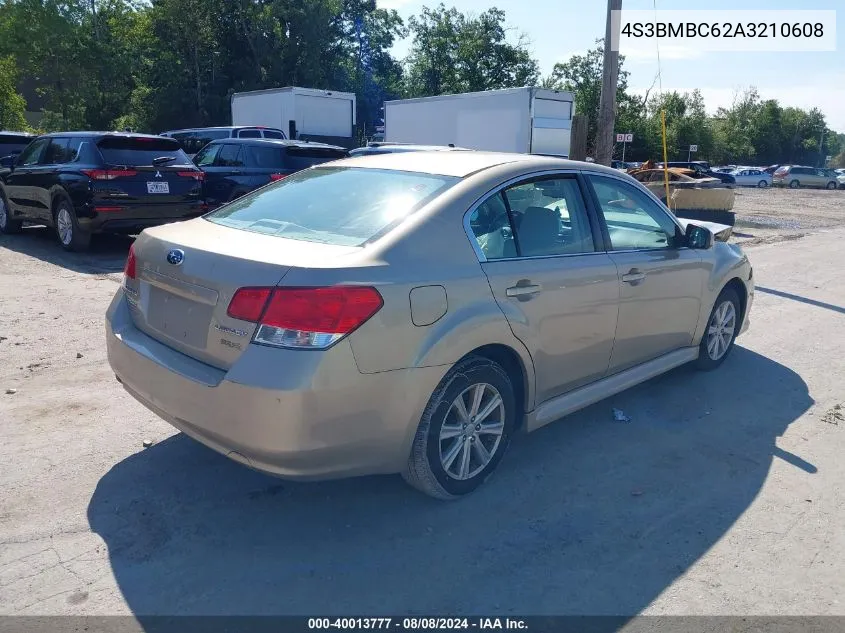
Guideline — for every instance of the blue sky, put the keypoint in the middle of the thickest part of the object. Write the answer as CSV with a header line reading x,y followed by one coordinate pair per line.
x,y
560,28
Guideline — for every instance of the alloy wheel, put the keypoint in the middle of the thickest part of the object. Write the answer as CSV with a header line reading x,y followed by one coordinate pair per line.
x,y
472,431
64,225
720,330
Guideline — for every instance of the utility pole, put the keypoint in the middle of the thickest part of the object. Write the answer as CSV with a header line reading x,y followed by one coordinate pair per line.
x,y
610,75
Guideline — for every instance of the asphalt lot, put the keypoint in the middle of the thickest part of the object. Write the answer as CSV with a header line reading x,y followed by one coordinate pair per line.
x,y
723,495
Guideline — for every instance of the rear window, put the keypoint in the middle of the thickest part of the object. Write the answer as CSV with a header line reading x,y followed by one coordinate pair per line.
x,y
141,152
333,205
193,142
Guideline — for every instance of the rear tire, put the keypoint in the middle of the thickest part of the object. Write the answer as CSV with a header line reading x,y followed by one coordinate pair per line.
x,y
8,226
794,184
455,450
721,331
71,236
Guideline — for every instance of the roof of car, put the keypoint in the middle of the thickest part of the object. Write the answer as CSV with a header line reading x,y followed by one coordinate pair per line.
x,y
14,133
462,164
273,141
221,127
94,134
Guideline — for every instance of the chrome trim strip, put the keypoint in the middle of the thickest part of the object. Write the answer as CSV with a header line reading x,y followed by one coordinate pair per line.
x,y
178,287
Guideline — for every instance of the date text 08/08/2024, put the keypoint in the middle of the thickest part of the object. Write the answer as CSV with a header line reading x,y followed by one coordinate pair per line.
x,y
417,624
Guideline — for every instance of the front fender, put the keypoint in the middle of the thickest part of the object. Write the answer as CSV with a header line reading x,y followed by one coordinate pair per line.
x,y
727,262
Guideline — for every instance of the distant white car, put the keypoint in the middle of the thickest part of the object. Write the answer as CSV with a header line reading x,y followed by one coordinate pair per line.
x,y
840,177
752,178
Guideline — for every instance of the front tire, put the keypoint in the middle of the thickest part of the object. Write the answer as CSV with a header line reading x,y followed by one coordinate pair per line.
x,y
762,184
464,431
721,332
71,236
831,185
8,226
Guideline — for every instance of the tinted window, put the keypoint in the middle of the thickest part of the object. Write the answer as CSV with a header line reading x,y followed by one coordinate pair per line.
x,y
273,134
267,157
193,142
141,151
32,153
57,152
249,134
801,170
633,219
206,156
334,205
229,156
12,144
304,157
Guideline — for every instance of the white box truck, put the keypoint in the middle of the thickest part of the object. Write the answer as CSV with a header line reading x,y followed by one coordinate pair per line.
x,y
524,120
303,113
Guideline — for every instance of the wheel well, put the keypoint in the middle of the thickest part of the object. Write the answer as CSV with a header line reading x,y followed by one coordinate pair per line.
x,y
739,288
512,364
59,197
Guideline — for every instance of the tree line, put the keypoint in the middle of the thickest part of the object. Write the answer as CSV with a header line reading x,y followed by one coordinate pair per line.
x,y
152,66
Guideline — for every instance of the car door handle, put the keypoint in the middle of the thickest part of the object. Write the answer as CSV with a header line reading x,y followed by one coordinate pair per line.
x,y
524,290
633,276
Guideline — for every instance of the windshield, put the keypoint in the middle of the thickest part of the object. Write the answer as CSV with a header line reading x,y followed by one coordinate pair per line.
x,y
333,205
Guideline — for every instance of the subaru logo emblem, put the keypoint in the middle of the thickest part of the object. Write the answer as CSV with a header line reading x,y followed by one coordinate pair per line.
x,y
175,257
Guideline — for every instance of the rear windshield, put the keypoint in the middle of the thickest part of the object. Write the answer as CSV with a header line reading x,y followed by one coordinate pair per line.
x,y
333,205
141,152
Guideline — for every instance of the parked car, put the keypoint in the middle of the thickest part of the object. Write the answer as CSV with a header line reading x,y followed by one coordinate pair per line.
x,y
701,171
374,148
194,139
81,183
771,169
752,178
13,143
234,167
795,176
840,178
411,312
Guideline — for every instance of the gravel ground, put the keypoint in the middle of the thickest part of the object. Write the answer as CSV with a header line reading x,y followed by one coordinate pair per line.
x,y
723,495
771,215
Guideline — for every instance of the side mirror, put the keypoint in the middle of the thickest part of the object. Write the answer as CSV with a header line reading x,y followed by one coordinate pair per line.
x,y
698,237
8,161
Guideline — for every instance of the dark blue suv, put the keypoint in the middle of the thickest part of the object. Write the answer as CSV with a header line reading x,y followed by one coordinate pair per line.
x,y
236,166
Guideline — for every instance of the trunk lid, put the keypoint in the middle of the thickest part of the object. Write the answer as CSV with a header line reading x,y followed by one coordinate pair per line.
x,y
187,273
146,170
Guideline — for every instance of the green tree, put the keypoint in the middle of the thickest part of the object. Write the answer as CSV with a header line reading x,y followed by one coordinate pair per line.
x,y
12,104
453,52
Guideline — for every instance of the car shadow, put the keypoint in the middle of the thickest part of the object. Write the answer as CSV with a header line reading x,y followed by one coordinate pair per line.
x,y
106,255
585,516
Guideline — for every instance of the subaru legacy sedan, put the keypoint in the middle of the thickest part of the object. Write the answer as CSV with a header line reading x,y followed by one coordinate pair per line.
x,y
409,313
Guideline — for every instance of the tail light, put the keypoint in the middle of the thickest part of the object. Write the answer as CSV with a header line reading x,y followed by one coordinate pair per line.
x,y
196,175
129,267
109,174
275,177
305,318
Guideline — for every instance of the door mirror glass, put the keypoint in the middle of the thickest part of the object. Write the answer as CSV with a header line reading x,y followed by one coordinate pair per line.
x,y
698,237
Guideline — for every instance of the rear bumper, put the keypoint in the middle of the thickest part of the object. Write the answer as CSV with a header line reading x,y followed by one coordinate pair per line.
x,y
135,218
317,417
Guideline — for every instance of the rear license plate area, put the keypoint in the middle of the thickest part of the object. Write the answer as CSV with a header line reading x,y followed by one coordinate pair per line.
x,y
178,318
158,187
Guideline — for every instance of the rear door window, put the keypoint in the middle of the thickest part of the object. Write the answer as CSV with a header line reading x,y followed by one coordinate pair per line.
x,y
57,152
141,151
304,157
273,134
207,155
266,157
249,134
230,155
